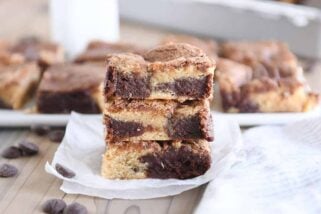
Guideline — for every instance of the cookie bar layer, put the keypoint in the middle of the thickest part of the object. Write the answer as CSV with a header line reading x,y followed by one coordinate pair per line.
x,y
173,71
17,82
96,51
156,159
157,120
242,91
66,88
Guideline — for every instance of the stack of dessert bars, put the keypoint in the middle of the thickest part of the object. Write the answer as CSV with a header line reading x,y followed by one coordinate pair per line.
x,y
157,113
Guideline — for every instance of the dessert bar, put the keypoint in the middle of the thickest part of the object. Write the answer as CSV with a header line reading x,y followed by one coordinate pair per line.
x,y
97,51
44,53
173,71
156,159
244,90
157,120
17,82
66,88
264,57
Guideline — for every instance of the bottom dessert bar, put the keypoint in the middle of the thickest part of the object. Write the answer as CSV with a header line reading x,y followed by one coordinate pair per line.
x,y
156,159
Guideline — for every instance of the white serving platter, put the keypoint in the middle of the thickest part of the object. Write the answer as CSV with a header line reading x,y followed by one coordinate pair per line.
x,y
255,119
10,118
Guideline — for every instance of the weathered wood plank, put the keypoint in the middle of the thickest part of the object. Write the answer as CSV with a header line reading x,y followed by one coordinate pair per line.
x,y
185,202
157,205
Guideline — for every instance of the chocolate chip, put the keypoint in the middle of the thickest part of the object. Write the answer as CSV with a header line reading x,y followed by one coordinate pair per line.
x,y
40,130
7,170
68,173
11,152
56,135
28,149
76,208
54,206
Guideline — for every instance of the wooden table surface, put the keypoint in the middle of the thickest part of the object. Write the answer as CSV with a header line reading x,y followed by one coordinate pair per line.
x,y
26,192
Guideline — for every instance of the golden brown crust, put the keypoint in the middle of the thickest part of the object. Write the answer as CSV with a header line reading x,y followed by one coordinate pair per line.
x,y
127,63
210,47
163,58
169,52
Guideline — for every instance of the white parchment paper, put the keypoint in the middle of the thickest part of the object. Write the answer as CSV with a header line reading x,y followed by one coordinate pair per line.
x,y
280,173
83,145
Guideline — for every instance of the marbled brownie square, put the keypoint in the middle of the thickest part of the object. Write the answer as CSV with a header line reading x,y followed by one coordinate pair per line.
x,y
171,72
17,83
246,90
156,159
66,88
129,120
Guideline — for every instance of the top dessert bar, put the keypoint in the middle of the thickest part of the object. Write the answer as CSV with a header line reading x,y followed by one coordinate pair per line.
x,y
173,71
210,47
44,53
66,88
97,51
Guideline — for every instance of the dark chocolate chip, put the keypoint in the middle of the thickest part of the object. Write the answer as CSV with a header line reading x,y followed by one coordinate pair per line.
x,y
8,170
40,130
54,206
68,173
56,135
76,208
11,152
28,149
